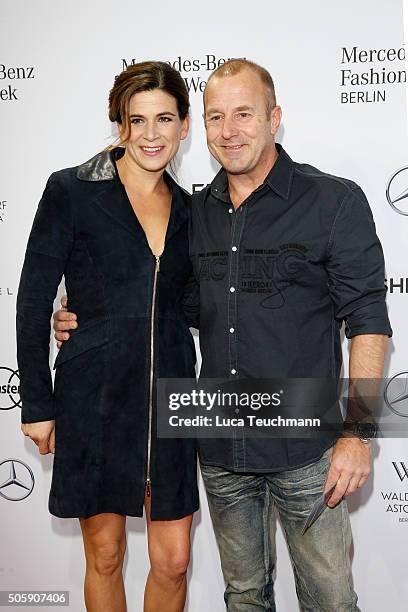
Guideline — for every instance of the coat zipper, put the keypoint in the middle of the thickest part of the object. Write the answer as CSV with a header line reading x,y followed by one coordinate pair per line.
x,y
152,326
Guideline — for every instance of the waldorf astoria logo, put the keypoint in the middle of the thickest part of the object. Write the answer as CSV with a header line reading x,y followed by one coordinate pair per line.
x,y
401,469
396,502
397,191
368,75
11,78
194,70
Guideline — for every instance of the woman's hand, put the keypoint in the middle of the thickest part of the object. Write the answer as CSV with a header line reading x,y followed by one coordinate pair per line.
x,y
63,322
42,433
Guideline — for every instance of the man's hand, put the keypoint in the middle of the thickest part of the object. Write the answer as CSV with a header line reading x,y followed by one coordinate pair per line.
x,y
350,466
63,322
350,462
43,434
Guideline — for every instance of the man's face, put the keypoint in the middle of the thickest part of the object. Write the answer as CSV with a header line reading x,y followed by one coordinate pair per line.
x,y
240,135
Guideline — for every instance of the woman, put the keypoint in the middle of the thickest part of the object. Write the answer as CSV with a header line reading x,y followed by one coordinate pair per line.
x,y
116,228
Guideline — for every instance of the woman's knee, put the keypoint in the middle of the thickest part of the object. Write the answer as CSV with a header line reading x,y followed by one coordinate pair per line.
x,y
105,544
107,557
171,566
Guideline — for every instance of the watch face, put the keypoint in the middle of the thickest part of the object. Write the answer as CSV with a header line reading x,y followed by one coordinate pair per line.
x,y
367,430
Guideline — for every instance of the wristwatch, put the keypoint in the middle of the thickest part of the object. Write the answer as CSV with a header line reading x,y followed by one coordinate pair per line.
x,y
365,431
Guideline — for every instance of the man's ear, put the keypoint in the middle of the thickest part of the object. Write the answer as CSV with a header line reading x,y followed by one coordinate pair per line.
x,y
276,117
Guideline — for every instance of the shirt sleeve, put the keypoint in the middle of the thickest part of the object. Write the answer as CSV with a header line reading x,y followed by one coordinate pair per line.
x,y
355,268
48,249
191,302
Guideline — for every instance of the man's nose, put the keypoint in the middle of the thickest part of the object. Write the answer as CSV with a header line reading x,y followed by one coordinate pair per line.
x,y
229,128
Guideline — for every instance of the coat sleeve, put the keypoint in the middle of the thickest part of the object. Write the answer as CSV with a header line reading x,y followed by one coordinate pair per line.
x,y
48,249
355,268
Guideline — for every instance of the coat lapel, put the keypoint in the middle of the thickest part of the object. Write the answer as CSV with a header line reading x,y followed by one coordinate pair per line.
x,y
113,199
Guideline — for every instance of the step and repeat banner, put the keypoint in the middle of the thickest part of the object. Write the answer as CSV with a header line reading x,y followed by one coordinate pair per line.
x,y
340,75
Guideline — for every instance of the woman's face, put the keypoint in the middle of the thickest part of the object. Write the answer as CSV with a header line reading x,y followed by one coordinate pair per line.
x,y
156,129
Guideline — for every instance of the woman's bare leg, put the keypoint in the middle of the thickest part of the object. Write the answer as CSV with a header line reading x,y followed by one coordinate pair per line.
x,y
169,552
104,539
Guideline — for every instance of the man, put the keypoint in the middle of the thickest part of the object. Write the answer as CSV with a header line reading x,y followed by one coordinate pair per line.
x,y
283,254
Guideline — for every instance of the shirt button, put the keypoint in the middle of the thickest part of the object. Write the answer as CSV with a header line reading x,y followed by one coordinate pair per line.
x,y
234,248
232,330
233,371
230,210
232,289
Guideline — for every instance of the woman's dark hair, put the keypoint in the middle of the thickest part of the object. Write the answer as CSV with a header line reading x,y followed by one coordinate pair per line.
x,y
145,76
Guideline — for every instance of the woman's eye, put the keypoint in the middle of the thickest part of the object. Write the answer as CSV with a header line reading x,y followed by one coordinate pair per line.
x,y
165,119
136,120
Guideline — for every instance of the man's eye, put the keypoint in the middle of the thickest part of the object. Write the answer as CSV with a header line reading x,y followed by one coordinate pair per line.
x,y
243,115
214,118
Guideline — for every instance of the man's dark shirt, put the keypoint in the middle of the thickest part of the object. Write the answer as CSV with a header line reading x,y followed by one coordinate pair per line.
x,y
277,277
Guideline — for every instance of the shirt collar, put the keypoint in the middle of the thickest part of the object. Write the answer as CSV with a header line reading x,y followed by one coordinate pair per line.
x,y
279,178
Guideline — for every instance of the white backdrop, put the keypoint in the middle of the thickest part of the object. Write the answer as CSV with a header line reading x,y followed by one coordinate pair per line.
x,y
57,63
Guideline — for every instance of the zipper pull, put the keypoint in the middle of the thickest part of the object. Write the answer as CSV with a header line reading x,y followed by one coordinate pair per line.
x,y
157,262
148,487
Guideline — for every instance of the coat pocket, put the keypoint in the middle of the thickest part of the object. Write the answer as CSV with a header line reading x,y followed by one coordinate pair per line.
x,y
91,335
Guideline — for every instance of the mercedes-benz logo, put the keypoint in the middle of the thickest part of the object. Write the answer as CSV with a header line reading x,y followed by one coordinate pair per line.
x,y
396,394
397,191
9,388
19,481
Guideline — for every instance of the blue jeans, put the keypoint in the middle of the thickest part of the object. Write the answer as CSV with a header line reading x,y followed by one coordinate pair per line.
x,y
241,507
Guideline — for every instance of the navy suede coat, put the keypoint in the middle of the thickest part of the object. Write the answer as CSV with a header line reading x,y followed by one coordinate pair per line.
x,y
131,327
